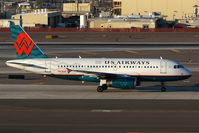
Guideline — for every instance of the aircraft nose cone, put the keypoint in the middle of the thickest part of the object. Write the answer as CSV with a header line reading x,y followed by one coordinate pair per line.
x,y
188,73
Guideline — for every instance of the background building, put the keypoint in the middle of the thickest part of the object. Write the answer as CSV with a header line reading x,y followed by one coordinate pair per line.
x,y
40,17
77,7
171,9
122,23
5,23
117,7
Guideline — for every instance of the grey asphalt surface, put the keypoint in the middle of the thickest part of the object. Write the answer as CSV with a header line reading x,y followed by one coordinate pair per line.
x,y
98,116
42,105
110,36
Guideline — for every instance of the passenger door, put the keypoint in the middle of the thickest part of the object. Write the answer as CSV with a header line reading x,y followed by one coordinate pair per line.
x,y
163,67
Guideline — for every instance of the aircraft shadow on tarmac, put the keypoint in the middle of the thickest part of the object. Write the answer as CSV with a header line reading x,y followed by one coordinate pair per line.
x,y
149,88
193,88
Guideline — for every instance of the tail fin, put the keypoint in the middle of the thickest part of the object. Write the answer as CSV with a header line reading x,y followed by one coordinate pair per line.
x,y
24,45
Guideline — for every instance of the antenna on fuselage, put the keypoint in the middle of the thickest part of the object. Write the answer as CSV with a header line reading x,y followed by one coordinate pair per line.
x,y
161,57
80,57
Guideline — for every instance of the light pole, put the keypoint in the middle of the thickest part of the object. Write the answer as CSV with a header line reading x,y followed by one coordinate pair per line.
x,y
2,6
174,14
195,7
77,3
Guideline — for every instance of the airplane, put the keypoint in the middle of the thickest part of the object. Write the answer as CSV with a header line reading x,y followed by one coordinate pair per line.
x,y
122,73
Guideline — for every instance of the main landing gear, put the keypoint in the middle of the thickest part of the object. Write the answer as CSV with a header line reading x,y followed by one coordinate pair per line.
x,y
163,88
103,86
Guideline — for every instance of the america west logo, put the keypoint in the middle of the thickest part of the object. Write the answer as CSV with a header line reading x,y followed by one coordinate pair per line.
x,y
24,44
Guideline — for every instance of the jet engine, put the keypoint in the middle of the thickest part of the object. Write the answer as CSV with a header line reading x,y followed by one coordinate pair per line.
x,y
122,83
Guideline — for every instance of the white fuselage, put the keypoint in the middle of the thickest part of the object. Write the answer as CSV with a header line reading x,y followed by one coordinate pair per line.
x,y
92,66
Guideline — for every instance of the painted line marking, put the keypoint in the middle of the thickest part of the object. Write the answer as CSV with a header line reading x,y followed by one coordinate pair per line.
x,y
131,51
106,111
175,50
90,53
161,132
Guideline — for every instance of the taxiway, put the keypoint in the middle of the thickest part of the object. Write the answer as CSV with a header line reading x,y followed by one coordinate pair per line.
x,y
110,36
44,104
107,116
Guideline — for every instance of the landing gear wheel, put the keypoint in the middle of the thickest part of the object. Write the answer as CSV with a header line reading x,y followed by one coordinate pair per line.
x,y
163,89
100,89
105,87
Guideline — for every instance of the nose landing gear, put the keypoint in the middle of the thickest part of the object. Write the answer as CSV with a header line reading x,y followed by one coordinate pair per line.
x,y
163,88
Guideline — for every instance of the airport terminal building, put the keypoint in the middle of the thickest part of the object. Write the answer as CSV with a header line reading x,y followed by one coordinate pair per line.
x,y
170,9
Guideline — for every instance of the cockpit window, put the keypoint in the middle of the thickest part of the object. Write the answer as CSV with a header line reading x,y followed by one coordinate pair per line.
x,y
178,66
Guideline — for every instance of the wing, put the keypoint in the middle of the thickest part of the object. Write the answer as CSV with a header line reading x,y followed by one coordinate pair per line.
x,y
104,75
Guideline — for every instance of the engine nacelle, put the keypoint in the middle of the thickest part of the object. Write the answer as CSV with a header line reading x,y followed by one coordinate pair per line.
x,y
123,83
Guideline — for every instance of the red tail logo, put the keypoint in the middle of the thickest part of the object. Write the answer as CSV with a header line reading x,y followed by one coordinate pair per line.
x,y
24,44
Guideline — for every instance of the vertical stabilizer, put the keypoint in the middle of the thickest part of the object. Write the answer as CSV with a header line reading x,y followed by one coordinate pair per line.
x,y
24,45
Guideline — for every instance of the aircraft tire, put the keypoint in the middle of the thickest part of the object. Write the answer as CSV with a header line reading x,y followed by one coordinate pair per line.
x,y
105,87
100,89
163,89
